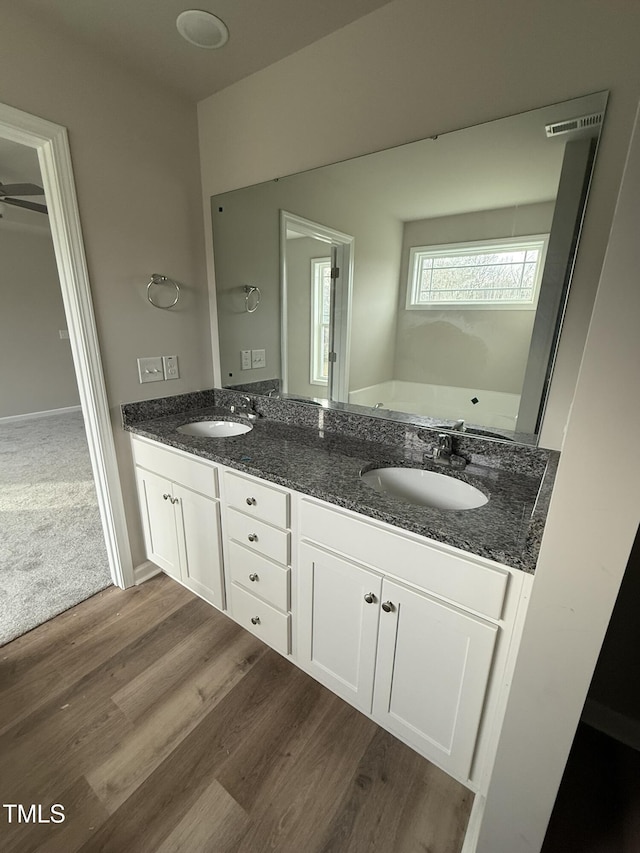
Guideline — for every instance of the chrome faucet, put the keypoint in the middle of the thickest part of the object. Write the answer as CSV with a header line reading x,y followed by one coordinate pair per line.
x,y
244,408
443,453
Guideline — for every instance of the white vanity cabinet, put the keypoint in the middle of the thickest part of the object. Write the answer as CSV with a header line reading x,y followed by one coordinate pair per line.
x,y
382,624
180,511
257,551
420,636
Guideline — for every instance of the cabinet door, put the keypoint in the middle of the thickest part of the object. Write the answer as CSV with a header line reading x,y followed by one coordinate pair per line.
x,y
432,671
158,521
339,604
199,544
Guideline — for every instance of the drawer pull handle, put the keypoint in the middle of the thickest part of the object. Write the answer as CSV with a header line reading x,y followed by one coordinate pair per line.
x,y
166,497
255,620
251,501
388,606
370,598
252,537
253,577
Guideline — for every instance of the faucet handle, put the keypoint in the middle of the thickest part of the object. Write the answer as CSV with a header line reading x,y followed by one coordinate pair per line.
x,y
445,442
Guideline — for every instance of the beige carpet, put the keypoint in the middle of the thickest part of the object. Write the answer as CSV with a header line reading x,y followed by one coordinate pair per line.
x,y
52,551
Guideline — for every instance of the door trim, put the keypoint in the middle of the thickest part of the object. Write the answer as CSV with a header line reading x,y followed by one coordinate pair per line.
x,y
341,309
52,145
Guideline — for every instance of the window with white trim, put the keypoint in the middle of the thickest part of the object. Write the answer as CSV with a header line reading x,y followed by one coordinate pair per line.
x,y
320,316
488,274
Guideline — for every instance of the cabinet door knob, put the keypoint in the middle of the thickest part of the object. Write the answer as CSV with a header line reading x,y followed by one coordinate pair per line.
x,y
252,537
388,606
166,497
174,500
251,501
370,598
255,620
253,577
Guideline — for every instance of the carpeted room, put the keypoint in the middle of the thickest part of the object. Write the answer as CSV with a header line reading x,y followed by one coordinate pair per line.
x,y
52,551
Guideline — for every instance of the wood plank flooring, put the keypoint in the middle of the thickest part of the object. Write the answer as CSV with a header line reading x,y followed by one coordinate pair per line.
x,y
161,726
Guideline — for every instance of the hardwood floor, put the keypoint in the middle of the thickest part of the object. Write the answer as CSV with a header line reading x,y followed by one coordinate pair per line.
x,y
160,725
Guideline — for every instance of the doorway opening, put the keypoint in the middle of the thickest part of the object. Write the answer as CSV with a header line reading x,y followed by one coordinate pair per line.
x,y
49,143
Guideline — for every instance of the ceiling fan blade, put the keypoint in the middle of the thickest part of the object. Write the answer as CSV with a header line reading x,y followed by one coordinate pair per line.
x,y
28,205
20,189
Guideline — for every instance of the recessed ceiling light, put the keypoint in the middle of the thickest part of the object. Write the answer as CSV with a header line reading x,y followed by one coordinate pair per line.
x,y
202,29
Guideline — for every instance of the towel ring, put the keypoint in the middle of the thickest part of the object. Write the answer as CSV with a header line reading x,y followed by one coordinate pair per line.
x,y
250,291
162,280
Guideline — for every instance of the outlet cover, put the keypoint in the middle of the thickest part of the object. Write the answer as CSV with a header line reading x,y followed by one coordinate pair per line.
x,y
150,369
258,358
245,359
170,367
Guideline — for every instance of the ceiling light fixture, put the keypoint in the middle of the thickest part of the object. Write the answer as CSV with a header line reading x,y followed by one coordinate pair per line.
x,y
202,29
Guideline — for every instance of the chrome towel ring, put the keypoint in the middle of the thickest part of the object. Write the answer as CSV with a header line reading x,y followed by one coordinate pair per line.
x,y
249,292
160,281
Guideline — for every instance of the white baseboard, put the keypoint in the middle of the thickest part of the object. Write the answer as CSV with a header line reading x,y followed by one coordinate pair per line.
x,y
144,572
473,827
46,414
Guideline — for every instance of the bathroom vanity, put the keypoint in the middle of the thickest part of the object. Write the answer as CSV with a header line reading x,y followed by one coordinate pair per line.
x,y
411,614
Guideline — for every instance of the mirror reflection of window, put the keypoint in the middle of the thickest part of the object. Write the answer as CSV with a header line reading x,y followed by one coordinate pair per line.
x,y
320,318
485,274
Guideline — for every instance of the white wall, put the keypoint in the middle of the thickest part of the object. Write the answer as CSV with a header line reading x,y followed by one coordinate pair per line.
x,y
589,534
135,159
38,370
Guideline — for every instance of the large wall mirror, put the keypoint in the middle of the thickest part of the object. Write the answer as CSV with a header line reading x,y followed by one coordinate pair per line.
x,y
424,281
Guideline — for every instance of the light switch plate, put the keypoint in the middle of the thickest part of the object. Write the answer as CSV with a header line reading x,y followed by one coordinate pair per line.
x,y
170,367
150,369
245,359
258,358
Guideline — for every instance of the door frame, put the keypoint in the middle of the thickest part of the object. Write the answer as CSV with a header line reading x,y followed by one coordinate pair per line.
x,y
52,146
338,387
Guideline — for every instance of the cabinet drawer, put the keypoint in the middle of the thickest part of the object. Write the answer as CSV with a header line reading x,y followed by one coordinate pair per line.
x,y
463,580
199,476
257,499
258,575
267,623
258,536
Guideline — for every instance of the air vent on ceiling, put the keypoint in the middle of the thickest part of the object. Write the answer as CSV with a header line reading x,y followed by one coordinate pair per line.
x,y
574,124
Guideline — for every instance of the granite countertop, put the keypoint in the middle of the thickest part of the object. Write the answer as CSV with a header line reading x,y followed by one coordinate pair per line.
x,y
326,465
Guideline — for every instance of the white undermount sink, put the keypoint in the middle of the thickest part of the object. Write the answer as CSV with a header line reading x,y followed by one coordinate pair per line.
x,y
424,488
214,429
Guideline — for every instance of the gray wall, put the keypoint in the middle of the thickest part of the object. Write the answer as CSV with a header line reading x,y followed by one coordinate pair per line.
x,y
135,160
246,237
472,349
38,371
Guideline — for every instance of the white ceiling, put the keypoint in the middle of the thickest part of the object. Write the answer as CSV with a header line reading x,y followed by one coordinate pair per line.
x,y
142,34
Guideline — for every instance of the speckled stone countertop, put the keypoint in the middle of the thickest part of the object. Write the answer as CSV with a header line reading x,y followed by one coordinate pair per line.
x,y
326,464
